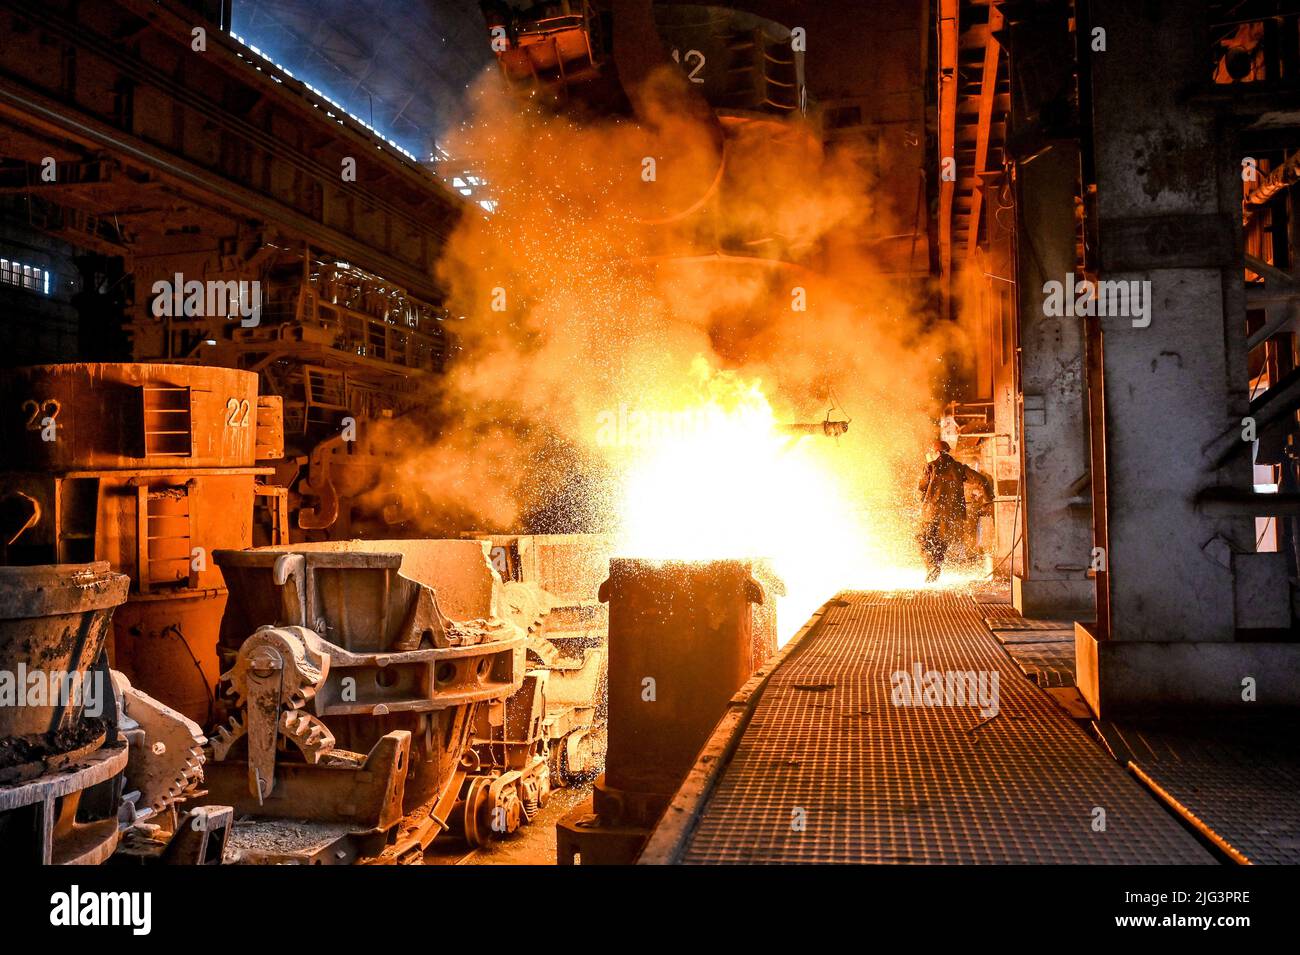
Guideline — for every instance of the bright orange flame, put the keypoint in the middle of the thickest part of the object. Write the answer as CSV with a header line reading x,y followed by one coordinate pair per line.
x,y
724,480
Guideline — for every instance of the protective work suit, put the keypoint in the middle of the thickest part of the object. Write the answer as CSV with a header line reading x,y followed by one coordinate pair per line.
x,y
943,508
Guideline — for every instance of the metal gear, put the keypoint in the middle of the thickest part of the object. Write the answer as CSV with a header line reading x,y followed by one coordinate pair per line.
x,y
294,651
525,605
281,669
167,748
307,732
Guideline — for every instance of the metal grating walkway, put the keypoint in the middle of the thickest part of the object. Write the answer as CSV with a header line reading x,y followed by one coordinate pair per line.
x,y
872,782
1235,777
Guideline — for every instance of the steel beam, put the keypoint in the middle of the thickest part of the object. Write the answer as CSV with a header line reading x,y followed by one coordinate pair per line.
x,y
988,93
948,28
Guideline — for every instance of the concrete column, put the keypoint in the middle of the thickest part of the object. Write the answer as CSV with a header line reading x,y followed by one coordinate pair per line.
x,y
1057,514
1182,581
1056,518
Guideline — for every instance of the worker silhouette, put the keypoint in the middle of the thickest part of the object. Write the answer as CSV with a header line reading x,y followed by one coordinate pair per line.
x,y
943,507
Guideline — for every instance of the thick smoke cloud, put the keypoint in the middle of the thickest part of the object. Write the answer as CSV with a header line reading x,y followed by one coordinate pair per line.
x,y
595,288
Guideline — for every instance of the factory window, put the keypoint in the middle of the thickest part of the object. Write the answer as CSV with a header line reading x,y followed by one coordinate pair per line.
x,y
30,277
1266,480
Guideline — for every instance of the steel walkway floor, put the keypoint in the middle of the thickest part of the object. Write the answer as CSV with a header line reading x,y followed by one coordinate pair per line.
x,y
1237,778
814,762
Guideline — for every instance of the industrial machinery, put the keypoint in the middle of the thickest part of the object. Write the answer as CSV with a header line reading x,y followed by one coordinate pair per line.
x,y
568,47
359,677
681,642
164,774
349,317
89,765
149,467
550,591
333,342
739,76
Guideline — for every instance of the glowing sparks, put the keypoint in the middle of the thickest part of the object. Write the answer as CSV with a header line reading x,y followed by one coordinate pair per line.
x,y
573,395
736,484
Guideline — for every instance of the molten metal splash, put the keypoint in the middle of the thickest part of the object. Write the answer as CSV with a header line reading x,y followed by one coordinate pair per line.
x,y
728,482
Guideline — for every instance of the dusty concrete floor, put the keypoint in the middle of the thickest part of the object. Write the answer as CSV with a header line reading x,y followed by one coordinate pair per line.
x,y
533,844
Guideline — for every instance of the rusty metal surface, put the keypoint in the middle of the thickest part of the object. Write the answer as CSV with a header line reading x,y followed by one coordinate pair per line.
x,y
53,621
334,648
1047,664
671,830
53,837
149,467
166,643
201,837
166,748
550,589
1235,779
458,570
121,415
95,768
365,794
878,783
680,644
97,757
374,618
686,627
